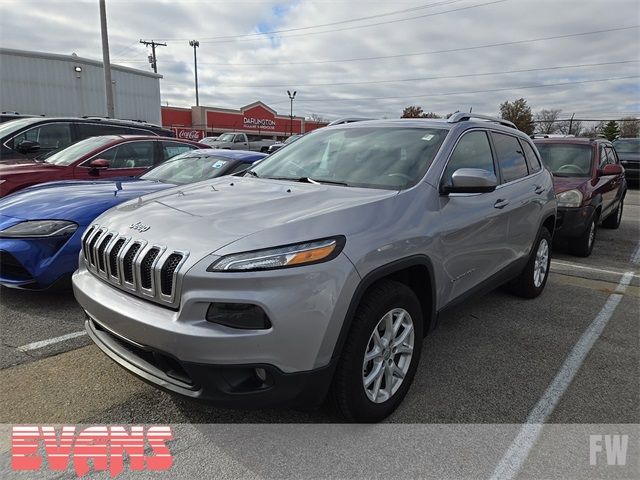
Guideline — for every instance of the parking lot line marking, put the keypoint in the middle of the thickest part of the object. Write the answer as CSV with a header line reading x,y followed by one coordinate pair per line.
x,y
635,258
518,451
593,269
50,341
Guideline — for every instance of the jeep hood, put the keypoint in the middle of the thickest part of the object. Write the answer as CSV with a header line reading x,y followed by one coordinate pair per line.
x,y
204,217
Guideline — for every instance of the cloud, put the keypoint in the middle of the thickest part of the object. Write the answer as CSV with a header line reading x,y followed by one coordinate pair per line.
x,y
226,80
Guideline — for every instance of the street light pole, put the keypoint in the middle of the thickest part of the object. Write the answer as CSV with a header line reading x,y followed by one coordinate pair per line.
x,y
291,97
108,85
195,44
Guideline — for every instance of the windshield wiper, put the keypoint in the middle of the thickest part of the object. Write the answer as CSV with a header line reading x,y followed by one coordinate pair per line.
x,y
252,173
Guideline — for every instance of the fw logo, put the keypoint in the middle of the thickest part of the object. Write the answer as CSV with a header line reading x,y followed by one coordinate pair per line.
x,y
615,448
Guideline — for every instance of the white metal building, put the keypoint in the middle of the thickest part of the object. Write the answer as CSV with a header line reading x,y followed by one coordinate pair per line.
x,y
67,85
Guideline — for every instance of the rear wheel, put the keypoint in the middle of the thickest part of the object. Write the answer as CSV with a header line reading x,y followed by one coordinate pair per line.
x,y
381,354
582,246
615,218
533,278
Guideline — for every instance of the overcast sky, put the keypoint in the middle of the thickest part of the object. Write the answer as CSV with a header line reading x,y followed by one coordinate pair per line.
x,y
405,52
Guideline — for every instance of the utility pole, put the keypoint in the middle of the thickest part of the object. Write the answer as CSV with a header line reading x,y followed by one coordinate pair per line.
x,y
153,60
108,86
571,123
195,44
291,97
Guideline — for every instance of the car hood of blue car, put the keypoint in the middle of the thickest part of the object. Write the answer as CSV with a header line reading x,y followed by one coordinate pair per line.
x,y
77,201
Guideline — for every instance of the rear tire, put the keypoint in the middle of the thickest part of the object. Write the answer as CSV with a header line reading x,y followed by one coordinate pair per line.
x,y
377,366
615,218
582,246
530,283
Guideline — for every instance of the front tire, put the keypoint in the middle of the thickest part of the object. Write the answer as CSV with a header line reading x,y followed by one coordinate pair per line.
x,y
534,277
381,353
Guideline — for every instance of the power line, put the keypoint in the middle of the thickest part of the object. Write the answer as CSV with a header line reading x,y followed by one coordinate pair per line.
x,y
153,60
341,22
444,94
369,82
432,52
357,27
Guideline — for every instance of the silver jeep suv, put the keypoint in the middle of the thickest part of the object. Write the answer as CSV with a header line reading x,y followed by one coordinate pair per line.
x,y
321,269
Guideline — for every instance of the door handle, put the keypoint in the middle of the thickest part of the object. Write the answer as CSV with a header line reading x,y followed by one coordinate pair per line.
x,y
539,189
501,203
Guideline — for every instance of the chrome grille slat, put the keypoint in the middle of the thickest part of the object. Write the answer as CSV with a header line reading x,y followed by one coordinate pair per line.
x,y
147,270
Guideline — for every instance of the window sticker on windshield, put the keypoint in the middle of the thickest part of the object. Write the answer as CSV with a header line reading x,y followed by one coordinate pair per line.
x,y
219,164
428,137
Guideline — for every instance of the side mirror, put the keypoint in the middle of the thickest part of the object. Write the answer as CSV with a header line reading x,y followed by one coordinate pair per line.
x,y
471,180
28,146
99,164
611,169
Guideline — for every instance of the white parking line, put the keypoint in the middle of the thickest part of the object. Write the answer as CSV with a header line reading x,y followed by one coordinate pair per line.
x,y
517,453
635,258
592,269
50,341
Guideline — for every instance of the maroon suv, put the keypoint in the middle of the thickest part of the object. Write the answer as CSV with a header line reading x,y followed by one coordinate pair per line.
x,y
94,158
590,186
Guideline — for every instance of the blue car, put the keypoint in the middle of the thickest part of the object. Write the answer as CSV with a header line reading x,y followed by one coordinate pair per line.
x,y
41,226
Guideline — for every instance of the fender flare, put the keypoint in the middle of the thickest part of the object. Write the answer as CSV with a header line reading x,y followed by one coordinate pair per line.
x,y
378,274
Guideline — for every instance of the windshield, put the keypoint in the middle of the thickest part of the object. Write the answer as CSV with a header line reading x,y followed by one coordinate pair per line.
x,y
292,138
73,152
11,126
225,137
188,168
370,157
566,160
208,140
631,145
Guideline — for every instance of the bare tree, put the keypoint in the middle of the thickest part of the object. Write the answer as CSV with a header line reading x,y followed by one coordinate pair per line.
x,y
568,127
519,113
412,112
314,117
630,127
546,121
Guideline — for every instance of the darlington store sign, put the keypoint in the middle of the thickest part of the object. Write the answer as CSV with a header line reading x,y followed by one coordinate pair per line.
x,y
265,123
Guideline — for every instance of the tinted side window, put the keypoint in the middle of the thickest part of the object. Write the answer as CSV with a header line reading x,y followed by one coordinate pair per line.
x,y
611,153
50,136
510,157
171,149
130,155
472,151
240,167
604,158
532,158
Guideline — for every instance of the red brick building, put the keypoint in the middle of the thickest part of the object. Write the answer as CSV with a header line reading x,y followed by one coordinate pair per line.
x,y
255,119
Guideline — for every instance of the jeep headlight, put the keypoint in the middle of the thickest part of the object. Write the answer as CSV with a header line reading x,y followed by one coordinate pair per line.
x,y
39,228
280,257
570,198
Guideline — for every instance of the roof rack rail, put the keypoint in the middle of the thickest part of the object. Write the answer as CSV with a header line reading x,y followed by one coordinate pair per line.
x,y
463,117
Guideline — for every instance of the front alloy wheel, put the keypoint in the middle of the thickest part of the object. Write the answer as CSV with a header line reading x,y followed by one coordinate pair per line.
x,y
381,353
388,356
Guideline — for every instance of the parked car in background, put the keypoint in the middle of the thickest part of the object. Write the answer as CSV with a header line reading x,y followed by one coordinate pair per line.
x,y
628,150
26,138
209,140
324,266
41,226
279,145
590,185
240,141
7,116
94,158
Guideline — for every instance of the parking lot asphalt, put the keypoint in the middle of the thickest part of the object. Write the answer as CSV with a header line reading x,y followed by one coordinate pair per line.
x,y
489,361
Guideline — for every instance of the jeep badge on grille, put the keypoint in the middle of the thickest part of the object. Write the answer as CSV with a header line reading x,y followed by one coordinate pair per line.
x,y
140,227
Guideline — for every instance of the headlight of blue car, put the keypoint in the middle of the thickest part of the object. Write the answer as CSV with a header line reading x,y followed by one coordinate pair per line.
x,y
40,229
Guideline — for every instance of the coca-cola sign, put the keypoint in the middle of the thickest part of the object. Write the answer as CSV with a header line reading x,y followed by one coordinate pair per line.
x,y
188,134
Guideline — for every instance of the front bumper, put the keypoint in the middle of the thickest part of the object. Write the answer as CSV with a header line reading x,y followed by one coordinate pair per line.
x,y
306,307
38,263
572,222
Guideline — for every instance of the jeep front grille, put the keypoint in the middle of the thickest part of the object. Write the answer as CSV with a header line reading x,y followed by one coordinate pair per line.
x,y
147,270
